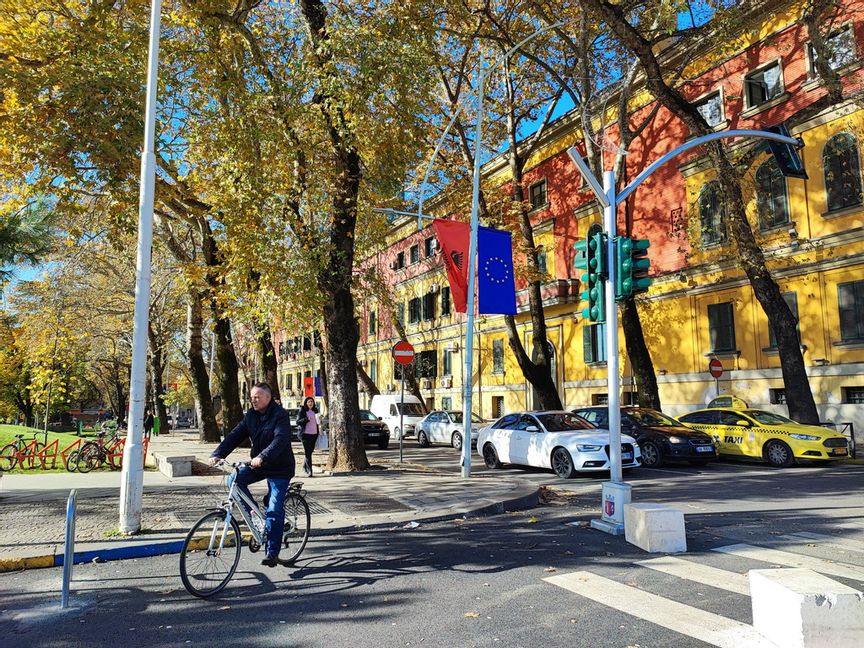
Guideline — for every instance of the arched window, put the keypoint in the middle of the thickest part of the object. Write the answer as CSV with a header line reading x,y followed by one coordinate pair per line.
x,y
842,168
771,199
712,214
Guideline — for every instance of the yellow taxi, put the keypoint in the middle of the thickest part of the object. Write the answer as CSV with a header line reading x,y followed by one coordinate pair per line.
x,y
757,434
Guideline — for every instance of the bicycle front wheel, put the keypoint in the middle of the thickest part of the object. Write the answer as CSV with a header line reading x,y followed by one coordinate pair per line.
x,y
210,555
89,457
297,524
8,457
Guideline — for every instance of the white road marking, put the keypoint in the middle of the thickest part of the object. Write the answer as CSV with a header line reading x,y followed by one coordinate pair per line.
x,y
823,540
788,559
705,626
711,576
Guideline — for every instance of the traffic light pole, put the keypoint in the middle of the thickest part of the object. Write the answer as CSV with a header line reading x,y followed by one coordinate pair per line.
x,y
612,361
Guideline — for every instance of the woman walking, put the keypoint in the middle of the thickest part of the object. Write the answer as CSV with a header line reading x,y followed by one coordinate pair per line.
x,y
309,424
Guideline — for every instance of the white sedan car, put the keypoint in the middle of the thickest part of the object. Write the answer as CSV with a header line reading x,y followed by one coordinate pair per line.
x,y
562,441
445,426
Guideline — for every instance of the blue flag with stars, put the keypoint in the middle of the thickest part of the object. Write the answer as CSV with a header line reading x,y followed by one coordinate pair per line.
x,y
496,287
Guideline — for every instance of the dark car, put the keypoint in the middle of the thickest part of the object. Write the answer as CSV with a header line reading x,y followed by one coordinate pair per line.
x,y
374,429
660,437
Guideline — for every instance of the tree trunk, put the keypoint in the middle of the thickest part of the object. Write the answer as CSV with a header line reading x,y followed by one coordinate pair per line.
x,y
157,373
640,359
322,373
799,395
269,367
370,387
198,370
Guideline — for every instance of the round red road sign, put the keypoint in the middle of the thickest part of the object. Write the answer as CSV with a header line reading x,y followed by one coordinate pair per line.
x,y
715,368
403,353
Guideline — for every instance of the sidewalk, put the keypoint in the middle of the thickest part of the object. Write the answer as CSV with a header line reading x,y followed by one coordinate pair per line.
x,y
33,507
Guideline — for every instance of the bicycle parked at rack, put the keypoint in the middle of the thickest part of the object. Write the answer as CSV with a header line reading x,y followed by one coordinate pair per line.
x,y
211,550
93,454
25,454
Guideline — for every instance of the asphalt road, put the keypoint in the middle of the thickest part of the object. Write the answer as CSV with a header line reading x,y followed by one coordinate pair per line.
x,y
533,578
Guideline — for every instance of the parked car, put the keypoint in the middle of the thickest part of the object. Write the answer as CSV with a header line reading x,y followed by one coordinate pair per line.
x,y
445,426
558,440
372,428
394,412
184,422
661,438
292,414
757,434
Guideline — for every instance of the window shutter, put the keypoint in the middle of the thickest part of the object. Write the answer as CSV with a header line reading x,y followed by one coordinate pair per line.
x,y
587,346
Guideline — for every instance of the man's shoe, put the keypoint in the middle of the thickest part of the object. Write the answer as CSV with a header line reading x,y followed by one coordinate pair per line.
x,y
270,561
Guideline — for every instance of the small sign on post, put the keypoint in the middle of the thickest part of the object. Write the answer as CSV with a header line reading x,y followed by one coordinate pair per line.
x,y
403,354
715,368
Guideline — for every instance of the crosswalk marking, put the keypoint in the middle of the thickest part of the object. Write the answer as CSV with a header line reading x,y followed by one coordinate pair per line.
x,y
827,541
787,559
711,576
705,626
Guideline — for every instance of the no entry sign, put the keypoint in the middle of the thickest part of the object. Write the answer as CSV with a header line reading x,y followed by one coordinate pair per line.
x,y
715,368
403,353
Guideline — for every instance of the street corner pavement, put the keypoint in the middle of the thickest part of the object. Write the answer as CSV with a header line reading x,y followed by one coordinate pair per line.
x,y
391,495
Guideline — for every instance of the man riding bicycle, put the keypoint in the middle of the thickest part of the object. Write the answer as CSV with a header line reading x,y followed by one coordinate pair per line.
x,y
268,426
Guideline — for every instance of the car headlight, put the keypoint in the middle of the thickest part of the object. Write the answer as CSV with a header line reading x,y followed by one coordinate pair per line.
x,y
588,448
674,439
805,437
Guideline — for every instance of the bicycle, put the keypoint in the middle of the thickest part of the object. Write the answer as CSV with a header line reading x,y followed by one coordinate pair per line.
x,y
211,550
94,453
19,451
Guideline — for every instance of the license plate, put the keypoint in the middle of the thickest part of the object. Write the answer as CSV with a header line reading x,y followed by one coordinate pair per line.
x,y
627,456
704,449
374,434
839,451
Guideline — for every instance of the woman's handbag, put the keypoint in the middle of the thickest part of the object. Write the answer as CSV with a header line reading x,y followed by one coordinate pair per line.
x,y
322,442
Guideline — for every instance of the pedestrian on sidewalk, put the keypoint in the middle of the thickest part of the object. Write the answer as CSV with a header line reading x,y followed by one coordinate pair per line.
x,y
309,425
268,426
148,423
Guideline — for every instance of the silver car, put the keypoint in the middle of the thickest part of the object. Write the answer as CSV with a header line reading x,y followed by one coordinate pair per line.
x,y
445,426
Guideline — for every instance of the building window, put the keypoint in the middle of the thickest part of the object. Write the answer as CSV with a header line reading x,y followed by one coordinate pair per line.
x,y
853,395
763,85
841,50
373,324
429,306
429,247
777,396
427,364
307,343
537,193
771,199
400,261
851,296
791,300
400,313
497,406
599,399
373,370
721,326
446,402
414,306
711,109
712,214
497,356
445,300
447,363
594,343
414,254
289,382
542,263
842,168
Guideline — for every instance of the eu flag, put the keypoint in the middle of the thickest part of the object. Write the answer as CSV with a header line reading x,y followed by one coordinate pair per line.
x,y
496,286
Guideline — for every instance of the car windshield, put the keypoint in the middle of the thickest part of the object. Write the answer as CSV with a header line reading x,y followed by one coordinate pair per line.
x,y
652,417
366,415
457,417
563,421
410,409
768,418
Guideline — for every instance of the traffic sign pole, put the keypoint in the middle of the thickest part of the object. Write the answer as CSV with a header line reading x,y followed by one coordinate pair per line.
x,y
715,368
403,354
402,415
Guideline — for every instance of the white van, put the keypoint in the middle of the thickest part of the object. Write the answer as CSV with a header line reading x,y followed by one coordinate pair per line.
x,y
387,408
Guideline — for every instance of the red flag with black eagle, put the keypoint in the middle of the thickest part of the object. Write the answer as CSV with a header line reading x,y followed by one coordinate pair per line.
x,y
454,238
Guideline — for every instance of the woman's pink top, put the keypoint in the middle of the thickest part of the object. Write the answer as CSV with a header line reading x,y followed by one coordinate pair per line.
x,y
312,424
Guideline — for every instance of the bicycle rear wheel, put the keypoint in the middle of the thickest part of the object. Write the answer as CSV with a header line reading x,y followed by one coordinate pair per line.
x,y
89,457
297,524
207,562
34,460
72,461
8,457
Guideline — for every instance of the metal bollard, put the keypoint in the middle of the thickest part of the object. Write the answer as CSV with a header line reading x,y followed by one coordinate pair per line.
x,y
69,548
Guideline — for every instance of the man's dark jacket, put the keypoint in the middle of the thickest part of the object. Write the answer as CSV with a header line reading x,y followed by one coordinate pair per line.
x,y
270,434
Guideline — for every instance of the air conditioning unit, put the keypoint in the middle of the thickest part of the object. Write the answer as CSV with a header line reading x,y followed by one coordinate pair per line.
x,y
426,384
435,245
453,347
391,387
435,288
394,265
447,382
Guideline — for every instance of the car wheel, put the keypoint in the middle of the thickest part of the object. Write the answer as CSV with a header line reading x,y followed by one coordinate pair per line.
x,y
456,440
652,457
778,454
422,439
383,445
562,463
490,457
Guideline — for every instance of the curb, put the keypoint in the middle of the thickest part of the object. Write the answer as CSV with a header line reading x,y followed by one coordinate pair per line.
x,y
521,502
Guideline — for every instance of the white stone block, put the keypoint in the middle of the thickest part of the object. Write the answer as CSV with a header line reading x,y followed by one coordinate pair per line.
x,y
174,465
656,528
798,608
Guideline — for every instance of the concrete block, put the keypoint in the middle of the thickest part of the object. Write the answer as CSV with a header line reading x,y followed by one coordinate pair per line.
x,y
656,528
798,608
174,465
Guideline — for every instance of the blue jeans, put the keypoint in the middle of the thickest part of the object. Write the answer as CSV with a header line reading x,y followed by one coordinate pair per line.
x,y
275,501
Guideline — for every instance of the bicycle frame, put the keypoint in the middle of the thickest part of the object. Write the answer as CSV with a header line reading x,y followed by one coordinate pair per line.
x,y
235,498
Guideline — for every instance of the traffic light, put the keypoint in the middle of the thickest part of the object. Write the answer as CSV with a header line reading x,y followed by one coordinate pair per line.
x,y
595,249
580,261
632,265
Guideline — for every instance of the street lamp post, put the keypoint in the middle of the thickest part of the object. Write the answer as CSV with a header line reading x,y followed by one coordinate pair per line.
x,y
132,480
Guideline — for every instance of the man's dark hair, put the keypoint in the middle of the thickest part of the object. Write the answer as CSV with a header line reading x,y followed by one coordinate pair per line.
x,y
264,386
